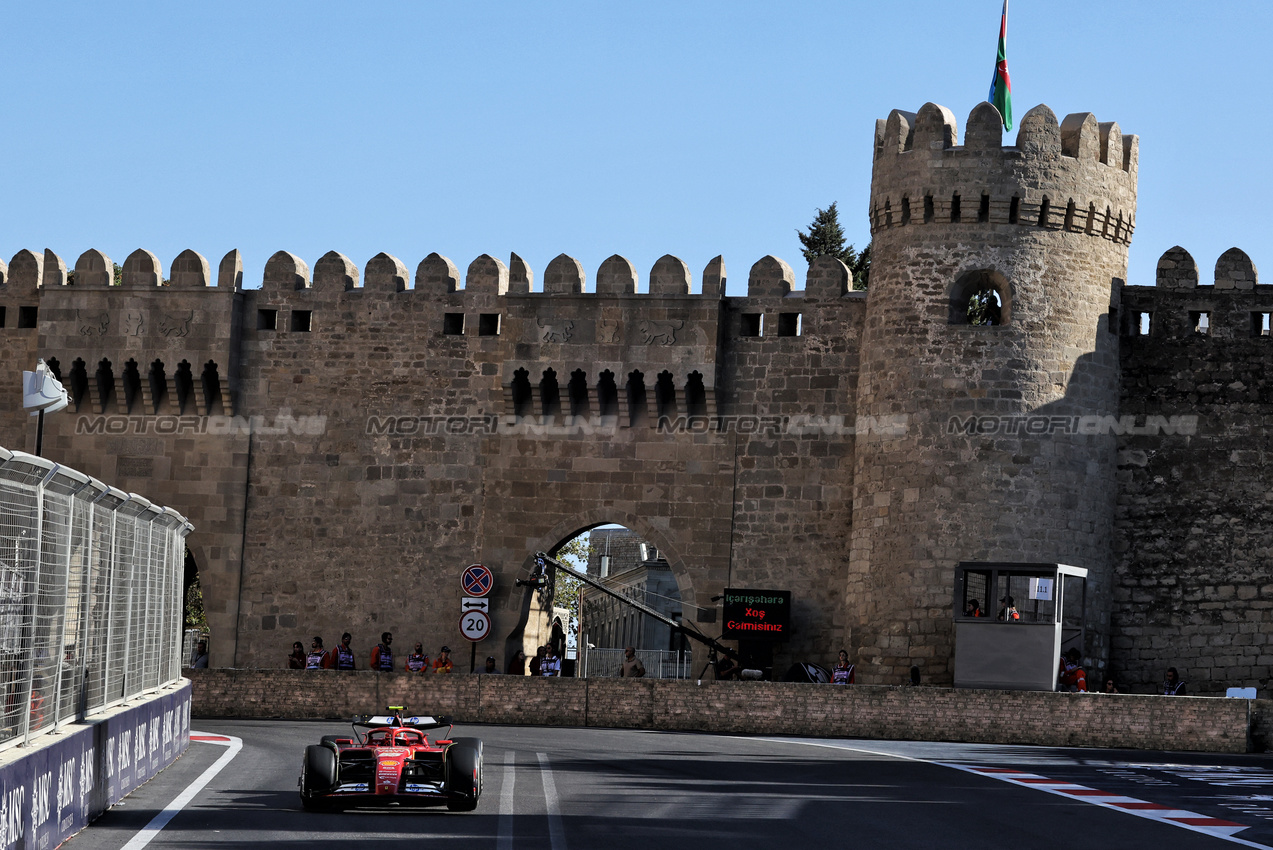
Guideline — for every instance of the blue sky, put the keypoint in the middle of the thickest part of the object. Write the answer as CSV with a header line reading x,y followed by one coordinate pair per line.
x,y
690,128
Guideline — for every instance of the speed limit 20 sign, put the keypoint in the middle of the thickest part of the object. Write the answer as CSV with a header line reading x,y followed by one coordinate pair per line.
x,y
475,625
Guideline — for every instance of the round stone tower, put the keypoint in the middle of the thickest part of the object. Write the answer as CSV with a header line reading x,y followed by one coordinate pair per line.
x,y
979,437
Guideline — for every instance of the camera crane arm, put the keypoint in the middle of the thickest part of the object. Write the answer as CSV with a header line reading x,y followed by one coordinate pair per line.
x,y
545,562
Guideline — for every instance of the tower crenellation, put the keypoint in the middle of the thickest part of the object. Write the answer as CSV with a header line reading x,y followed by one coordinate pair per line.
x,y
1078,175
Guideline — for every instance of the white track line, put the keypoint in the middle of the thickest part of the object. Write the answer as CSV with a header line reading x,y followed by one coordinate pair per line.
x,y
556,834
1192,821
504,836
1071,791
159,821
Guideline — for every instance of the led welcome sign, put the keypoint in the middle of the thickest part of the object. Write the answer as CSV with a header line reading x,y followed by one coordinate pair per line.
x,y
756,614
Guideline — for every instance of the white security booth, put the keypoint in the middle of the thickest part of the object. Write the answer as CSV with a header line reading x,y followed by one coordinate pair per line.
x,y
1013,621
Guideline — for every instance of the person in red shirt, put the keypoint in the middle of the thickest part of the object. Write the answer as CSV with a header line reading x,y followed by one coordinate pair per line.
x,y
443,662
343,655
318,659
382,655
1070,676
843,673
417,661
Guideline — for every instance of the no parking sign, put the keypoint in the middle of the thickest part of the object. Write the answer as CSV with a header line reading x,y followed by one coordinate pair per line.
x,y
477,580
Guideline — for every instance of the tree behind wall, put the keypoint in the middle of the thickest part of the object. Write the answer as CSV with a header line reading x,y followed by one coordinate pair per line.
x,y
826,239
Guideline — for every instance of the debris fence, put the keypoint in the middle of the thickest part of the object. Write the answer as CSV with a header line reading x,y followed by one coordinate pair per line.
x,y
91,582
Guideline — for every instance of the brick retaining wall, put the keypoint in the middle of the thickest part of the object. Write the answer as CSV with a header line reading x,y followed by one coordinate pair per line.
x,y
769,708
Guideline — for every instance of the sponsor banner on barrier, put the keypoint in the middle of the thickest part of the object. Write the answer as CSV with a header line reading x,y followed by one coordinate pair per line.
x,y
53,793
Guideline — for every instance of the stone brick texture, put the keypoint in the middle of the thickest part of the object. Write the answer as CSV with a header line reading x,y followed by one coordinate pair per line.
x,y
744,708
1194,539
345,441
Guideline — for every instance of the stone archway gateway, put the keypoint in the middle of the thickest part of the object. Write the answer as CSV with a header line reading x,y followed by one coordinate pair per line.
x,y
533,621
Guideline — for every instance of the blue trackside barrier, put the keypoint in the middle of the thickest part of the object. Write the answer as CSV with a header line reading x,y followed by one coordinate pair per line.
x,y
55,789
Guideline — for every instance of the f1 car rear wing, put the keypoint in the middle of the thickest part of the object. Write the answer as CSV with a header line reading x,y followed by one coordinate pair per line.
x,y
413,722
544,562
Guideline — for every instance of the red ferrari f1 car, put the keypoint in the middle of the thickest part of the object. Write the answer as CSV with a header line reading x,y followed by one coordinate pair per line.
x,y
390,760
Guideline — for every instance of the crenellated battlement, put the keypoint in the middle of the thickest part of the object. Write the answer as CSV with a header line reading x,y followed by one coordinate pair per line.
x,y
1077,176
1180,306
32,273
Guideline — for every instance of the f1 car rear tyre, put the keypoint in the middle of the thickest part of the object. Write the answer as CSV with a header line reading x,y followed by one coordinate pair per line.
x,y
319,775
464,773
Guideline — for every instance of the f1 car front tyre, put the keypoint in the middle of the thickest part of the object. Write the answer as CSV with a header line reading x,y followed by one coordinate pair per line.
x,y
464,774
318,776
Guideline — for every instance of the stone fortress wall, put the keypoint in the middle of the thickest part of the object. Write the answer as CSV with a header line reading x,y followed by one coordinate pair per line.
x,y
1194,543
400,432
403,426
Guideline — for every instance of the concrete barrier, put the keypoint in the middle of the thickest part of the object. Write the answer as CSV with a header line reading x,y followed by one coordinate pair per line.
x,y
761,708
55,787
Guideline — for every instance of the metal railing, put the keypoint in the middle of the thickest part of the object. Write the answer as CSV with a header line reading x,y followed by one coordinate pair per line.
x,y
659,663
90,595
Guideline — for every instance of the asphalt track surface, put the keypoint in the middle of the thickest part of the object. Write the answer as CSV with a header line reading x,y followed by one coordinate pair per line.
x,y
593,788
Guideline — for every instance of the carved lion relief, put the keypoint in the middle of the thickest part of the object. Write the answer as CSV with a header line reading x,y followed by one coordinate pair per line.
x,y
555,331
95,323
175,325
659,333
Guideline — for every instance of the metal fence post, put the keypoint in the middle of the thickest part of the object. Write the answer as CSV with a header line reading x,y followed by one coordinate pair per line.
x,y
25,706
112,595
59,655
128,614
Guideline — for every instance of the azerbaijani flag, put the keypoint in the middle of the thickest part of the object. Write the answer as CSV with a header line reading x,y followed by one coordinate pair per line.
x,y
1001,87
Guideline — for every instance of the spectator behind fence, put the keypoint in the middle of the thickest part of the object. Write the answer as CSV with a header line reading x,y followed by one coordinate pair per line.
x,y
343,654
1070,675
382,655
728,668
443,663
199,659
843,673
631,667
318,659
490,669
418,660
517,666
296,661
1172,686
537,662
551,665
